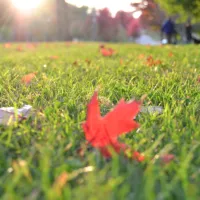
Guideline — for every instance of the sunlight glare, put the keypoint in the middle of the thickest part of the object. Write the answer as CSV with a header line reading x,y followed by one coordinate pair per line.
x,y
26,5
137,14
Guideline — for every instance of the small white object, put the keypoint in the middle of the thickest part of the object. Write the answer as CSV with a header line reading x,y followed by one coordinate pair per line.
x,y
152,109
164,41
9,115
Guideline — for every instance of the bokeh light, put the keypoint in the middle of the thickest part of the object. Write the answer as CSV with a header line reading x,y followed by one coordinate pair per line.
x,y
137,14
26,5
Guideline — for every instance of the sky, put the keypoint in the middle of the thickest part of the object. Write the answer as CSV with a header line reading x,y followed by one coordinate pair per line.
x,y
113,5
26,4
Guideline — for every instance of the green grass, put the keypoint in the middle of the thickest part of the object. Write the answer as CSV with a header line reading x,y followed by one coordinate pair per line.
x,y
35,152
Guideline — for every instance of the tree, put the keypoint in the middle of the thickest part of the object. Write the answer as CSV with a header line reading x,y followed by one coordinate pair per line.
x,y
185,8
123,18
152,14
107,27
5,12
70,20
133,28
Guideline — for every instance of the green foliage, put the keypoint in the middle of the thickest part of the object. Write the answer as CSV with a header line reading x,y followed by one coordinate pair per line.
x,y
184,8
40,157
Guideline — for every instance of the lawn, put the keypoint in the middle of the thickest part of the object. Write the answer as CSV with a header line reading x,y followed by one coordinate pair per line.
x,y
47,156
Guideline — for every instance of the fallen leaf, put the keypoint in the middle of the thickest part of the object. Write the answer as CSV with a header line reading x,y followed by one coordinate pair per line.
x,y
103,132
141,56
75,63
101,46
88,61
157,62
150,61
170,54
54,57
7,45
28,78
107,52
121,61
60,182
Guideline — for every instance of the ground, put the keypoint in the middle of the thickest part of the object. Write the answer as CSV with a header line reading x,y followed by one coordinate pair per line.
x,y
47,157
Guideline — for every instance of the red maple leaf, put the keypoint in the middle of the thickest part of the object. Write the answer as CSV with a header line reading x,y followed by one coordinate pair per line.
x,y
107,52
103,132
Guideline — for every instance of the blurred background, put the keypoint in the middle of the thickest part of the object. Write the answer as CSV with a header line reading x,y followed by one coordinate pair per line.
x,y
89,20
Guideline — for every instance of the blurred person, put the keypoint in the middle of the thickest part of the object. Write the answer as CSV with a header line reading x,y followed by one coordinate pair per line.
x,y
188,31
168,29
190,35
